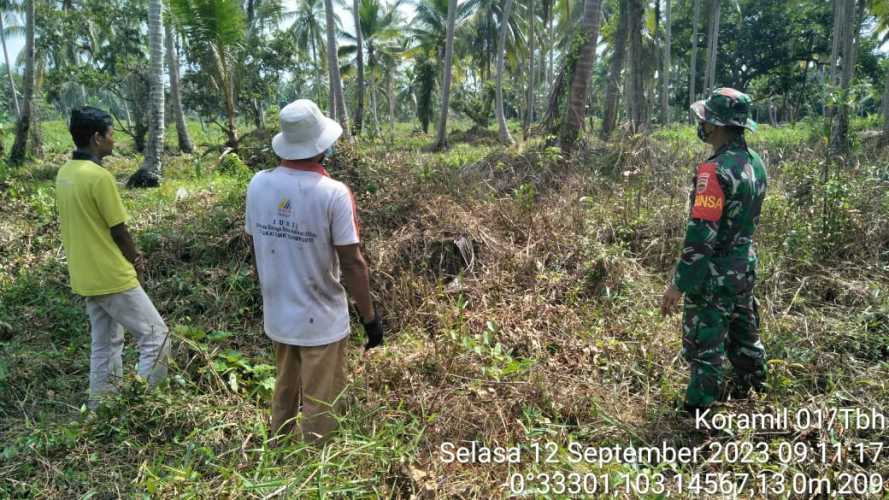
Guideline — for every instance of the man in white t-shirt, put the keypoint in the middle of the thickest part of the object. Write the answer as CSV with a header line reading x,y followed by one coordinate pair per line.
x,y
304,230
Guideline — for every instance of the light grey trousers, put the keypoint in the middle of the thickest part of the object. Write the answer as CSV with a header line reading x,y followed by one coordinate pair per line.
x,y
109,315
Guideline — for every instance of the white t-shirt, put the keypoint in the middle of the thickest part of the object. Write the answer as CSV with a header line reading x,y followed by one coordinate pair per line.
x,y
296,217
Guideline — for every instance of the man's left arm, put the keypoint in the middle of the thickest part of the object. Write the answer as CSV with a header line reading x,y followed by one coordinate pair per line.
x,y
111,208
124,241
693,267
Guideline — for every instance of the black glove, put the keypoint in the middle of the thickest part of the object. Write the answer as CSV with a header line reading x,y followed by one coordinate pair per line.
x,y
374,331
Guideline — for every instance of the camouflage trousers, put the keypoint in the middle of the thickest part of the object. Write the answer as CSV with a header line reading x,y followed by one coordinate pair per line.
x,y
713,327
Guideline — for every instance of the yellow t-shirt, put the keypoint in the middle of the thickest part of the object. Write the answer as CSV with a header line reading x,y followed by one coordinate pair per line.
x,y
89,206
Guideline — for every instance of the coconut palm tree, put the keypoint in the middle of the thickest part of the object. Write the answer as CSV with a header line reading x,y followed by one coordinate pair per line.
x,y
612,88
442,139
665,66
7,11
712,46
483,32
433,28
529,91
149,173
339,103
309,31
636,96
693,65
430,25
501,54
215,27
382,45
359,63
546,41
185,144
847,25
24,143
573,119
880,10
422,86
885,137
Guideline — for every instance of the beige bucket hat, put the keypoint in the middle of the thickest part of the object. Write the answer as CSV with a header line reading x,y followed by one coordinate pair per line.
x,y
305,131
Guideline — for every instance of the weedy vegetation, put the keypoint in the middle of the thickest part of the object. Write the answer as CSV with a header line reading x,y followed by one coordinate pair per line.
x,y
520,288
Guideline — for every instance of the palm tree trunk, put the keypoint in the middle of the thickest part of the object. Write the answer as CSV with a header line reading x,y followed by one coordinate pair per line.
x,y
885,138
693,68
441,141
336,84
612,89
21,148
138,89
126,109
314,53
15,97
359,59
712,45
331,111
550,66
850,23
185,144
149,173
835,49
577,93
226,79
636,97
665,66
373,104
258,113
373,64
390,96
529,99
504,135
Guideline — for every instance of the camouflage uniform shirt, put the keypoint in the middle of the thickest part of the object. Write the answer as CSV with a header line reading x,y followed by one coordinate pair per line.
x,y
718,257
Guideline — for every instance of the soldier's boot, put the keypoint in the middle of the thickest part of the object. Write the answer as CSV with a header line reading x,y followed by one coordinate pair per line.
x,y
731,391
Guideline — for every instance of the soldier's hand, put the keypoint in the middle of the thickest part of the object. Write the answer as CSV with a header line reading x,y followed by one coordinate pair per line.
x,y
672,295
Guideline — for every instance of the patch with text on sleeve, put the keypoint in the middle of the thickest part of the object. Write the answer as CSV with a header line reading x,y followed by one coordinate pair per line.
x,y
709,198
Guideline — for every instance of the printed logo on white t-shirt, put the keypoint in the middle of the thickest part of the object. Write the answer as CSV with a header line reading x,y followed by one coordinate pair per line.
x,y
284,207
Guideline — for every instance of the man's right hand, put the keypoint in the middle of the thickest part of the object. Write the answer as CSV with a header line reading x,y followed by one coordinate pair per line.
x,y
139,264
374,331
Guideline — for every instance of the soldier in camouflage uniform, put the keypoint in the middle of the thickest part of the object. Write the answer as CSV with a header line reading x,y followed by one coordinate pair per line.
x,y
717,268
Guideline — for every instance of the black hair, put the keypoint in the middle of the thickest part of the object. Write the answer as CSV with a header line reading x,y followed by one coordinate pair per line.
x,y
85,122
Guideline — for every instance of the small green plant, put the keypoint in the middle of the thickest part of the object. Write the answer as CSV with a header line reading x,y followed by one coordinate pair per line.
x,y
499,364
245,376
525,195
552,154
237,372
232,165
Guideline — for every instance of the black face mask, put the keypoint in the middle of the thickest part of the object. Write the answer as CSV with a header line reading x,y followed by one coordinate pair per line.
x,y
703,134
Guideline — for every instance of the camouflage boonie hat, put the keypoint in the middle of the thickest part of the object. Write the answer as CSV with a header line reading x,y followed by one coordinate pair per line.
x,y
725,107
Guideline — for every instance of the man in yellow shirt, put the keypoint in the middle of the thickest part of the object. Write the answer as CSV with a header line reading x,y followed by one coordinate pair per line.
x,y
102,259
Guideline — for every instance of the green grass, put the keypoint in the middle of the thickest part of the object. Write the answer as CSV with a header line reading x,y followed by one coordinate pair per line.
x,y
553,335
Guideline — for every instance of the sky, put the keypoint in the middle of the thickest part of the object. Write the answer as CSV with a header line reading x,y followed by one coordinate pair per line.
x,y
14,46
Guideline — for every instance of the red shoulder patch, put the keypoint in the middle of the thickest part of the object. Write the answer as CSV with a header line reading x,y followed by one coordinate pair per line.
x,y
709,198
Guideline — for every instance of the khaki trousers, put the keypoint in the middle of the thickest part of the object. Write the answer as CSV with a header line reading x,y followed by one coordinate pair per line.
x,y
311,377
109,315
